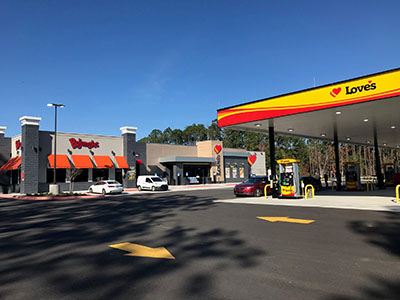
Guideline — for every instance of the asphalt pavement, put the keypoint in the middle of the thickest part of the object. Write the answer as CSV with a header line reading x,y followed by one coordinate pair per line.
x,y
61,249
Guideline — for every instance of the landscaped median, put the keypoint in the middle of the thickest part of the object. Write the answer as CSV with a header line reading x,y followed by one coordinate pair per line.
x,y
50,197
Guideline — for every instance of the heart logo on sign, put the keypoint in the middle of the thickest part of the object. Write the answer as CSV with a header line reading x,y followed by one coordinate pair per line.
x,y
335,92
217,149
252,159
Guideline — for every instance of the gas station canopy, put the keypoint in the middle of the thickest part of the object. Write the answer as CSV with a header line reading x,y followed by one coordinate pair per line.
x,y
354,108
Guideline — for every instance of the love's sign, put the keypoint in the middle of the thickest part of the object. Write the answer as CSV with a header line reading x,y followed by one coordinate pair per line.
x,y
252,159
217,149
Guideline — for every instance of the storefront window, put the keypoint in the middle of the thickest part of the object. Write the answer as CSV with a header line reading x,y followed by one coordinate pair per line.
x,y
61,175
83,176
100,174
118,175
241,172
234,173
228,172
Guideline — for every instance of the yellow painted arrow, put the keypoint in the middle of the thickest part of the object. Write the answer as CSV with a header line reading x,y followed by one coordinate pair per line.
x,y
143,251
286,219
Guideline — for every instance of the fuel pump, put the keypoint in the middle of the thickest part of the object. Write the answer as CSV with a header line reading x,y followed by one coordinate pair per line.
x,y
352,175
289,178
389,174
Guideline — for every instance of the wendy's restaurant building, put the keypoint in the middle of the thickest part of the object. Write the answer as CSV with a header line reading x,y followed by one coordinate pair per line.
x,y
27,160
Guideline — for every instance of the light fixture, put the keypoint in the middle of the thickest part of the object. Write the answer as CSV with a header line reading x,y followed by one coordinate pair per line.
x,y
57,105
323,134
338,112
368,142
393,127
365,120
384,144
290,129
55,138
348,139
257,125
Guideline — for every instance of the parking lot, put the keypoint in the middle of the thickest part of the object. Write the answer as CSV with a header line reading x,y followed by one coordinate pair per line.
x,y
62,249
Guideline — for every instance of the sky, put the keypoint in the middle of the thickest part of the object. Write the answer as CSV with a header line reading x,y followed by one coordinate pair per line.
x,y
157,64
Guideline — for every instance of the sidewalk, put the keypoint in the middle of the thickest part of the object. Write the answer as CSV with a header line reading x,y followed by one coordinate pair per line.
x,y
174,188
381,200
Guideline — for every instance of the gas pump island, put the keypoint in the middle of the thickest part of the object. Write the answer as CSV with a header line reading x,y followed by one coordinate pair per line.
x,y
352,175
289,178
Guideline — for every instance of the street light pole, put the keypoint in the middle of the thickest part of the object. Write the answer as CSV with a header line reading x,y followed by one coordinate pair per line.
x,y
55,137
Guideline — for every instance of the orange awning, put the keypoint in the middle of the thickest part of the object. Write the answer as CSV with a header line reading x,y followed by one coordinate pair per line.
x,y
82,161
62,161
103,161
12,164
121,161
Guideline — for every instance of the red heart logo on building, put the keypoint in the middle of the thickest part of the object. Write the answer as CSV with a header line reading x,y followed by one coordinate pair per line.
x,y
217,149
335,92
252,159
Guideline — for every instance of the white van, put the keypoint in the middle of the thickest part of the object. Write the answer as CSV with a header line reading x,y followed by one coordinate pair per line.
x,y
151,182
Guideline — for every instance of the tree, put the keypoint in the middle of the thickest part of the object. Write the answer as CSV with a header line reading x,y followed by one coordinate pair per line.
x,y
167,136
74,173
214,132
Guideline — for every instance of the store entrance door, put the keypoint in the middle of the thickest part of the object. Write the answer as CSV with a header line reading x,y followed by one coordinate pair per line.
x,y
196,173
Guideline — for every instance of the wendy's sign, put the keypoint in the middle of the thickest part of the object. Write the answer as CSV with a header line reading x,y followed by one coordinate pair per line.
x,y
79,144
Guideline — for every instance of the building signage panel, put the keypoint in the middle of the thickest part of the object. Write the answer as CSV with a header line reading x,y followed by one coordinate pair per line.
x,y
79,144
18,144
367,88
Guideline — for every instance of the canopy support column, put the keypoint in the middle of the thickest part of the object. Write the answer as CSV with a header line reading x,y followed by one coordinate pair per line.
x,y
273,161
378,170
337,162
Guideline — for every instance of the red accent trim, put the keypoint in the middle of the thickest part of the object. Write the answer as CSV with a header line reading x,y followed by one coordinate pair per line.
x,y
82,161
103,162
250,116
61,161
122,163
12,164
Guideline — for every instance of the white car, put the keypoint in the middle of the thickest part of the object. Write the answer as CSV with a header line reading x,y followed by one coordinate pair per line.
x,y
106,187
151,182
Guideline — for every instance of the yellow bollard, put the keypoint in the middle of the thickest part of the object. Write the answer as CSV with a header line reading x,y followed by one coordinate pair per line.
x,y
397,193
265,190
306,190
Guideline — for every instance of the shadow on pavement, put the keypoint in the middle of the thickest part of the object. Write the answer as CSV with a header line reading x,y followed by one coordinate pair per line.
x,y
52,249
385,235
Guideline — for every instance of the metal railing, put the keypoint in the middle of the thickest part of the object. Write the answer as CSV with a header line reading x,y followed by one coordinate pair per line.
x,y
265,190
370,186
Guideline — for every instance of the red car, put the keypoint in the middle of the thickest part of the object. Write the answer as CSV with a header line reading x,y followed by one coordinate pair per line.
x,y
254,186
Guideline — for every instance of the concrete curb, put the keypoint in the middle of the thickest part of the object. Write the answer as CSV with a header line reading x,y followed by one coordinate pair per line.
x,y
20,197
174,188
